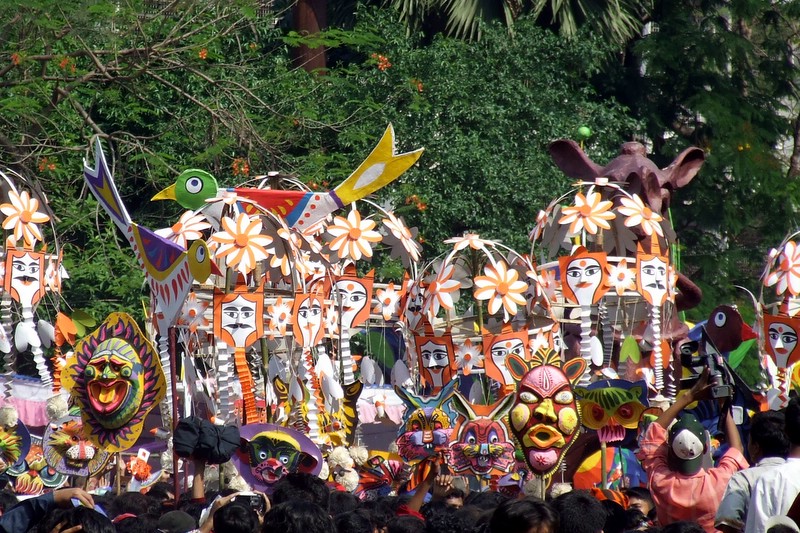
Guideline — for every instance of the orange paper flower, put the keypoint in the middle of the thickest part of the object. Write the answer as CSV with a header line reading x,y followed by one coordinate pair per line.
x,y
241,244
640,215
589,213
352,236
438,293
502,288
188,228
22,217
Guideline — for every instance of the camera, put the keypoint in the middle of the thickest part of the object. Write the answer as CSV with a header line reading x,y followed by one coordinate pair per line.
x,y
708,357
252,500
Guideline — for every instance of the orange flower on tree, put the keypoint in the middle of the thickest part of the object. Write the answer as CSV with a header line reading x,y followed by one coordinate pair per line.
x,y
640,215
188,228
203,53
241,243
352,236
22,217
502,287
589,213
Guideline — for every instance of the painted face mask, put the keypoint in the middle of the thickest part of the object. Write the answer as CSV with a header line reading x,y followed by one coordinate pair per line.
x,y
269,452
436,357
583,276
307,320
498,348
354,294
24,279
69,452
116,379
482,446
545,417
781,339
427,424
613,408
15,442
239,317
33,476
652,276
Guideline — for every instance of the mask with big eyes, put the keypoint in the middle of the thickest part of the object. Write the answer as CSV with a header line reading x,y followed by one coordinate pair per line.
x,y
69,452
545,416
436,357
354,296
613,408
781,339
114,383
482,446
427,427
272,457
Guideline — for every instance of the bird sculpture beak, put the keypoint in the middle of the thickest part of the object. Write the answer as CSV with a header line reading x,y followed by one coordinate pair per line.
x,y
215,269
166,194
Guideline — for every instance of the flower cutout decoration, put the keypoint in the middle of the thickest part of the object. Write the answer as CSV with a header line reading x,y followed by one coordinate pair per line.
x,y
331,319
786,275
352,236
590,212
402,239
388,301
52,274
548,283
502,288
188,228
279,316
193,314
23,217
640,215
241,244
441,291
621,278
469,240
468,356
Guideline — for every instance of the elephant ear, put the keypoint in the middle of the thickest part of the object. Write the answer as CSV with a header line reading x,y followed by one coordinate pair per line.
x,y
574,369
517,366
685,167
568,156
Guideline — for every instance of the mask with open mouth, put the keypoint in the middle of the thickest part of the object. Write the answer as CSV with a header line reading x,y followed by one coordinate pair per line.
x,y
482,446
427,424
545,416
115,377
613,408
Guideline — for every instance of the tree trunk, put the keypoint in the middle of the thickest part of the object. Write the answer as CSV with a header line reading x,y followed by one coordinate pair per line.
x,y
310,17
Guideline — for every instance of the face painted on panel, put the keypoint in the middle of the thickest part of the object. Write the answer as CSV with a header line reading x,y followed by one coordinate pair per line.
x,y
501,350
781,342
308,320
435,358
114,382
653,278
583,276
24,272
354,298
238,319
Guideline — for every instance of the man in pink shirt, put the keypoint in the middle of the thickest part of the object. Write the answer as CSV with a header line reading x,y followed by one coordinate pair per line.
x,y
681,488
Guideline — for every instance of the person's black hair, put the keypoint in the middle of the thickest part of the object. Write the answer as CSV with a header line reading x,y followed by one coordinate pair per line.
x,y
342,502
380,511
7,500
781,528
682,527
767,431
521,516
298,516
300,486
579,512
792,421
162,491
145,523
193,509
455,492
134,503
90,520
634,519
352,522
405,524
448,522
485,500
642,493
236,518
435,507
615,517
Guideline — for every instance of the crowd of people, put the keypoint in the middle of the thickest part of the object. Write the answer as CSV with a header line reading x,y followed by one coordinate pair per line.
x,y
683,495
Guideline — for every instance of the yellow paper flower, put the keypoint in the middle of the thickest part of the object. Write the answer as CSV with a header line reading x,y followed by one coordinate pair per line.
x,y
241,244
589,213
502,288
188,228
640,215
22,217
352,236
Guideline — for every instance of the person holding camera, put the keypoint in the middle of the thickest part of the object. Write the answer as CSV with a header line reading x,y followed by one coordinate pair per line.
x,y
672,456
